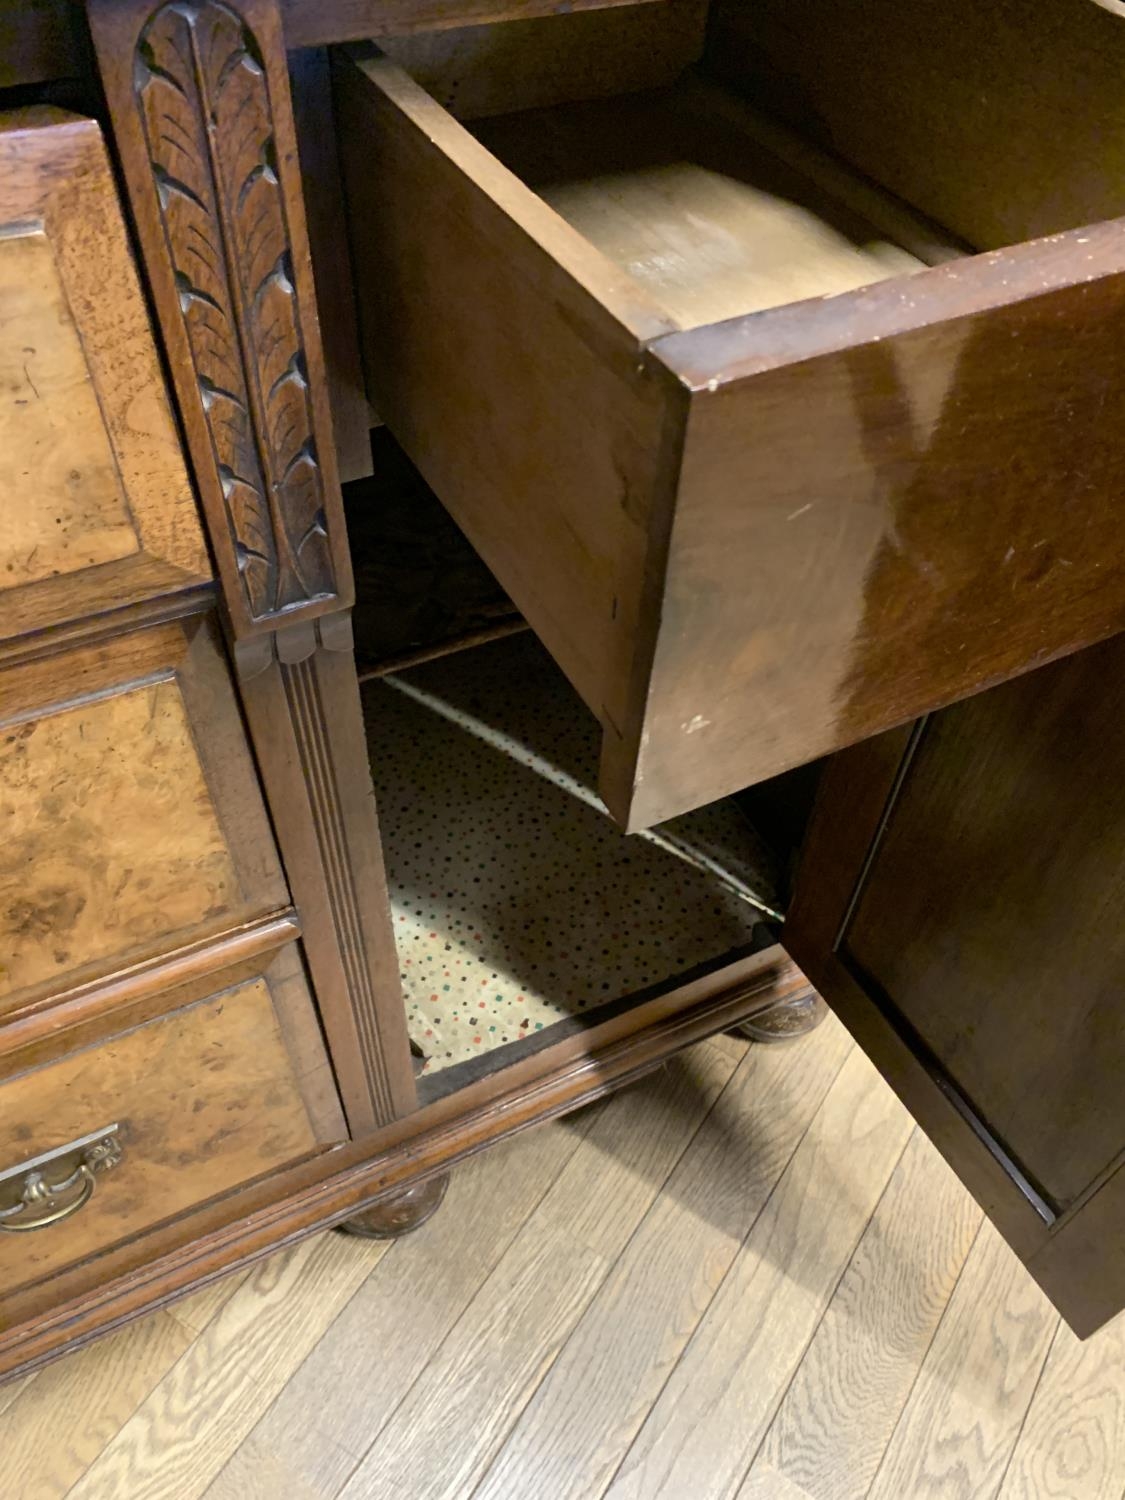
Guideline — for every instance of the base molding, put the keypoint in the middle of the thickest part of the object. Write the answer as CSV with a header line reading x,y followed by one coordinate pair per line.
x,y
172,1261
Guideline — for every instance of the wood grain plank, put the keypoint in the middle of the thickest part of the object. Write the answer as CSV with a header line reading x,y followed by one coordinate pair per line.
x,y
838,1415
1073,1442
305,1444
179,1438
58,1425
578,1426
13,1388
455,1418
961,1422
196,1311
702,1433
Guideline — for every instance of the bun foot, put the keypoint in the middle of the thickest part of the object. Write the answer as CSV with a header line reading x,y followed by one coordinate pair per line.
x,y
785,1022
401,1212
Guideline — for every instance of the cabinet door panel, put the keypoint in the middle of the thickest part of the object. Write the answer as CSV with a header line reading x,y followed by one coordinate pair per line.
x,y
960,905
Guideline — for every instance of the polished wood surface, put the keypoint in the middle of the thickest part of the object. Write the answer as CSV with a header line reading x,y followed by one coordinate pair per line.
x,y
1033,773
731,599
206,1098
919,550
998,825
287,1381
912,93
96,488
132,815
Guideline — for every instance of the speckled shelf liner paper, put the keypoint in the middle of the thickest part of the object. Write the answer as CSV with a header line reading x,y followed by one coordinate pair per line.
x,y
517,902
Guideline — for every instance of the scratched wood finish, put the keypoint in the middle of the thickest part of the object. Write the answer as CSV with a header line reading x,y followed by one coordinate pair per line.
x,y
207,1098
131,814
92,478
689,534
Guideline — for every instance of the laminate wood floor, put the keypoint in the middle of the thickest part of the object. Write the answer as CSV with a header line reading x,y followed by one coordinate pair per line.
x,y
748,1276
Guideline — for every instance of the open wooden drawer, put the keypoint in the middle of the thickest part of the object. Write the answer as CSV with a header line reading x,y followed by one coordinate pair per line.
x,y
767,460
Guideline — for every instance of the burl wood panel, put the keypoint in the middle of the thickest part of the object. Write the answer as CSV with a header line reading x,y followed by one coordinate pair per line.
x,y
129,808
64,506
992,915
96,511
206,1098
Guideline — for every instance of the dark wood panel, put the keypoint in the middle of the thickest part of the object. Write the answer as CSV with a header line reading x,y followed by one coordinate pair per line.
x,y
315,123
311,23
956,522
992,917
958,904
502,349
1030,95
40,40
1083,1264
499,68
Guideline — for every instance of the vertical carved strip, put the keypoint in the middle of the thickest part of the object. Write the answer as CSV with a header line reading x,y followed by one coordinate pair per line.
x,y
310,725
204,102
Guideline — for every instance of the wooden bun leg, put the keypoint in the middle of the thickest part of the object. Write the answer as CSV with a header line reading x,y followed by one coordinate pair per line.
x,y
785,1022
401,1212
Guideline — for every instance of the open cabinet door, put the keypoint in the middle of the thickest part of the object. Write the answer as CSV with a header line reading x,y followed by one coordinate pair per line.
x,y
960,906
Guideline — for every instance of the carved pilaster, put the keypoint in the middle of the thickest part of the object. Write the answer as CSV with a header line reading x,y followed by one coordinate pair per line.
x,y
199,95
199,98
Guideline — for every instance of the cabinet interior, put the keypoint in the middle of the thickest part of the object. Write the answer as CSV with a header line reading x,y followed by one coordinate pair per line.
x,y
520,910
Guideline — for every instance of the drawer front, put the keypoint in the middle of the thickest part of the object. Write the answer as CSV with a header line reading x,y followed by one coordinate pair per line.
x,y
753,542
96,510
135,1129
132,818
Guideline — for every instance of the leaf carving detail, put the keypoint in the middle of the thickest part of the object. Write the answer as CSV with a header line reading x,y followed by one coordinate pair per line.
x,y
204,102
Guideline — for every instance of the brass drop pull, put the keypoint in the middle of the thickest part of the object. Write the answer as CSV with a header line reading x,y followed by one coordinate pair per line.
x,y
51,1187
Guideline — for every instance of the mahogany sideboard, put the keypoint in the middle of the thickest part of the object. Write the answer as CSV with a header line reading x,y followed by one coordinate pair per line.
x,y
767,364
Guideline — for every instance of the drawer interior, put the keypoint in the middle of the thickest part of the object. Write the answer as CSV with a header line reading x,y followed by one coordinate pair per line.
x,y
712,210
521,912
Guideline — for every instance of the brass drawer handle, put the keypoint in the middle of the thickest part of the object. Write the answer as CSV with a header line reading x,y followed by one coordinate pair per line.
x,y
51,1187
